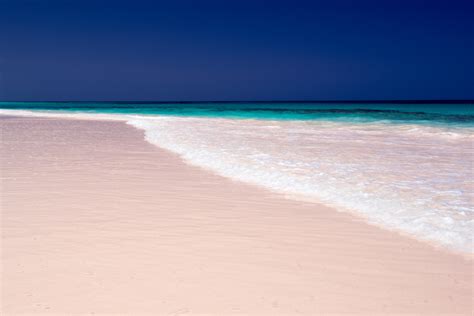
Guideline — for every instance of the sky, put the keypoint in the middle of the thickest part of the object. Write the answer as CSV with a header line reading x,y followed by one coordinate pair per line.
x,y
236,50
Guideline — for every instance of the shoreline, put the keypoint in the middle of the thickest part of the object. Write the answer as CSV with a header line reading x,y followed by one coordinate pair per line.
x,y
205,243
295,197
457,243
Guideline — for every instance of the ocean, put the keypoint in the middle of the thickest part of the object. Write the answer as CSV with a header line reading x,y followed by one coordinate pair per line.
x,y
407,167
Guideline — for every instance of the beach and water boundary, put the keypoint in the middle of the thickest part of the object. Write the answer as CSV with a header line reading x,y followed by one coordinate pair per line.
x,y
405,167
95,220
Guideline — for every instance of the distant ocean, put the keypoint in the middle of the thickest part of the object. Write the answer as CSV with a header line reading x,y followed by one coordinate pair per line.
x,y
405,167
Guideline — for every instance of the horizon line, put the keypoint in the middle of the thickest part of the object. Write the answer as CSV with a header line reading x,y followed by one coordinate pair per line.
x,y
405,101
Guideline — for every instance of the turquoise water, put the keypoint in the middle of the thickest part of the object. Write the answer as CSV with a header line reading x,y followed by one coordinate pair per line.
x,y
422,113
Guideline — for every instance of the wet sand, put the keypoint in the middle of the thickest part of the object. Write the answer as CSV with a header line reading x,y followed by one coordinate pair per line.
x,y
94,220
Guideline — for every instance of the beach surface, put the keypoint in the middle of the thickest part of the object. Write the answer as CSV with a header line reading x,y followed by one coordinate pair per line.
x,y
95,220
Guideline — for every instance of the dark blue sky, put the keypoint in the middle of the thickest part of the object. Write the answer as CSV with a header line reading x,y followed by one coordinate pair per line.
x,y
236,50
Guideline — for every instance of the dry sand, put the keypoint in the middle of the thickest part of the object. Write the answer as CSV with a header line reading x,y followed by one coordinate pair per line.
x,y
97,221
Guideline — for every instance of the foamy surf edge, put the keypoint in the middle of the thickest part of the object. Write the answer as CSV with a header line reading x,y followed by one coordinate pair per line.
x,y
273,181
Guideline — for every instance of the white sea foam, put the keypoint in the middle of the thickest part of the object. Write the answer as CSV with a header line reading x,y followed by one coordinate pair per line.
x,y
412,178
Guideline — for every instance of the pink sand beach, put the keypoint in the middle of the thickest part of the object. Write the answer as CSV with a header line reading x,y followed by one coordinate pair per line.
x,y
96,221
